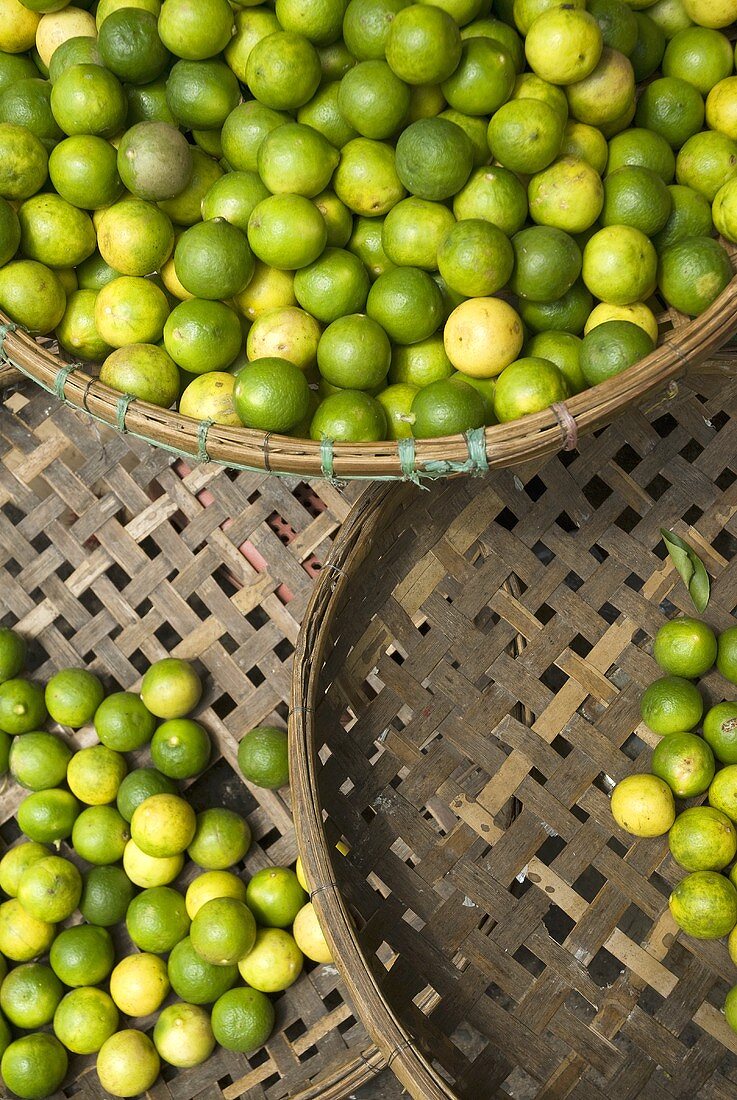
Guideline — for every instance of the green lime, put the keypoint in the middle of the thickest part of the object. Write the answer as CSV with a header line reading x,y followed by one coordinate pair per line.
x,y
130,310
234,197
195,32
527,386
157,919
213,884
649,48
201,94
213,259
366,241
106,894
690,216
48,816
16,861
24,162
183,1035
283,70
475,127
366,179
34,1066
333,286
271,394
547,262
585,143
349,416
163,825
123,723
202,335
685,762
366,26
14,67
700,55
82,955
274,896
702,839
76,331
148,871
88,99
33,296
130,47
286,231
80,50
475,259
373,100
143,370
338,218
12,654
147,103
5,743
22,706
407,303
525,135
321,21
50,889
84,1019
243,131
186,207
720,731
706,162
420,364
29,995
617,24
503,32
23,937
620,265
100,835
195,980
484,78
171,688
563,349
26,103
434,158
485,387
222,838
529,86
730,1008
242,1019
724,210
273,963
94,774
396,402
39,760
127,1062
495,194
446,408
671,705
643,805
636,196
154,158
223,931
139,785
263,757
72,697
611,348
43,220
723,791
704,905
180,748
685,647
672,108
354,352
693,273
423,45
134,237
323,115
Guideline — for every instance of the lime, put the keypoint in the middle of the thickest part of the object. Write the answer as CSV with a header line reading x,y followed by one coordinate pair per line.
x,y
139,785
563,45
19,25
143,370
195,980
671,705
138,985
702,839
213,259
76,332
567,195
334,285
271,394
157,919
100,835
263,758
434,158
527,386
423,45
699,55
50,889
286,231
309,936
80,50
39,760
525,136
710,13
22,707
612,347
730,1007
366,242
163,825
349,416
223,931
366,26
354,353
529,86
106,894
48,816
273,963
723,791
16,861
620,265
222,838
29,995
154,159
475,259
94,774
585,143
32,295
12,654
617,24
147,103
203,335
171,688
44,219
213,884
34,1066
180,748
283,70
482,336
183,1035
547,262
16,66
649,48
693,273
148,871
372,100
85,1019
127,1062
201,94
275,896
134,237
643,805
475,127
233,197
685,647
407,304
288,333
690,217
720,731
706,162
607,93
82,955
322,113
338,218
195,31
269,289
87,99
396,402
446,408
366,179
123,723
130,46
704,905
243,132
130,310
26,103
721,107
638,197
563,349
484,78
672,108
685,762
494,194
242,1019
421,363
56,27
23,937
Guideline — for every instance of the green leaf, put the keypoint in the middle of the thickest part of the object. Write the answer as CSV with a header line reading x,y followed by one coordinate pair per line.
x,y
690,567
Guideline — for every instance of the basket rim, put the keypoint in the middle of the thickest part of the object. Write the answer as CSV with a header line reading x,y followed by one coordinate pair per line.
x,y
497,446
395,1042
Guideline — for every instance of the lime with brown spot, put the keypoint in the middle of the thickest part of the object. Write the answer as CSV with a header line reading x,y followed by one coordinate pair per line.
x,y
720,731
567,195
685,762
693,273
525,135
288,333
210,397
606,93
704,905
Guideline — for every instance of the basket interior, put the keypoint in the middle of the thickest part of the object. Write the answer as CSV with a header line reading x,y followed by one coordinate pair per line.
x,y
519,936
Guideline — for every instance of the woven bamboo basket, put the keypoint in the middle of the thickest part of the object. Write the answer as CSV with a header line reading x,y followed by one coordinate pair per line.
x,y
110,556
480,646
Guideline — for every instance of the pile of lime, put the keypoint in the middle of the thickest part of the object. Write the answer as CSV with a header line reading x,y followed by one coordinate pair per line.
x,y
687,765
105,846
363,220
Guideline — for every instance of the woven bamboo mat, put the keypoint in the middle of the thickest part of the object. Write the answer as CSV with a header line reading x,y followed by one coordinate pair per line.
x,y
111,556
543,948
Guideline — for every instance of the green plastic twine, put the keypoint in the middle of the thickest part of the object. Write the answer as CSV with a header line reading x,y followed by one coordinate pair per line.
x,y
477,464
61,379
204,428
407,460
4,330
327,459
121,409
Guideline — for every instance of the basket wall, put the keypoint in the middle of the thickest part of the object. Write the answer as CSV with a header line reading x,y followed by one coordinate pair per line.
x,y
532,958
111,557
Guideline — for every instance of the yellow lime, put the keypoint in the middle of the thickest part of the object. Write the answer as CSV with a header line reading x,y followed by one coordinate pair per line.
x,y
563,349
620,265
273,963
139,985
643,805
76,332
183,1035
50,889
309,936
127,1062
606,93
18,26
287,333
210,397
95,774
23,937
147,871
16,861
563,45
134,237
54,232
482,336
723,791
171,688
270,288
163,825
637,314
213,884
711,13
702,839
